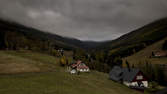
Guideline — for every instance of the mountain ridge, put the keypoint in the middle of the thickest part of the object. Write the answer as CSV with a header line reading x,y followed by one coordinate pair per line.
x,y
137,39
29,31
140,35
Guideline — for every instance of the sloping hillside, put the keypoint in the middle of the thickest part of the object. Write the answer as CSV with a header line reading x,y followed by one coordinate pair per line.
x,y
151,32
137,39
144,55
25,61
41,36
56,82
35,35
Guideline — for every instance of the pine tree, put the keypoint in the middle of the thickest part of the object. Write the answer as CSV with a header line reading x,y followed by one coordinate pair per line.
x,y
118,61
153,54
164,46
133,66
127,64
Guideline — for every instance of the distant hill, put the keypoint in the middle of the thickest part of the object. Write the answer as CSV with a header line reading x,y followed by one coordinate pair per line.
x,y
34,34
136,40
123,46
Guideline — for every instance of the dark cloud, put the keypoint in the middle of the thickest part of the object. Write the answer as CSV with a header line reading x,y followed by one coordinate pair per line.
x,y
84,19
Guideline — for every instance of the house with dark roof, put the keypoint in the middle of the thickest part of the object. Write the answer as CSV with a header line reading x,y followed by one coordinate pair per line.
x,y
132,77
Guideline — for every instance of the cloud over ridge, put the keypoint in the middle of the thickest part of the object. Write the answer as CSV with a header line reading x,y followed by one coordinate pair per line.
x,y
84,19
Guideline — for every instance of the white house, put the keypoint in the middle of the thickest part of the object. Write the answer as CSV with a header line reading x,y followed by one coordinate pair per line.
x,y
79,66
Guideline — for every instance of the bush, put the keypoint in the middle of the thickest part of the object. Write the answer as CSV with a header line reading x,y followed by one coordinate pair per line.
x,y
63,61
54,53
153,85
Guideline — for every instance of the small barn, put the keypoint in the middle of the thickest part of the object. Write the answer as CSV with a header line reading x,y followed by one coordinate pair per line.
x,y
130,77
78,66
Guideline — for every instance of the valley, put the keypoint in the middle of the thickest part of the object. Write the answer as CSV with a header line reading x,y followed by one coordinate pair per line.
x,y
35,62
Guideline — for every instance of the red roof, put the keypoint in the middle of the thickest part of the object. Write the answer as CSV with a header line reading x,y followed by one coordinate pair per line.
x,y
82,67
76,64
79,65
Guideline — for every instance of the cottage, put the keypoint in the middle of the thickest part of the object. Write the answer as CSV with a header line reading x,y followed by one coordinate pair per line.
x,y
129,77
79,66
159,54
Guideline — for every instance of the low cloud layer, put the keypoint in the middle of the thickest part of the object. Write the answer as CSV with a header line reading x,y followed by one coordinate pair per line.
x,y
84,19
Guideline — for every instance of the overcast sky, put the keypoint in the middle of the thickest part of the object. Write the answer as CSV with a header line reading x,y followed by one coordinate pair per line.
x,y
96,20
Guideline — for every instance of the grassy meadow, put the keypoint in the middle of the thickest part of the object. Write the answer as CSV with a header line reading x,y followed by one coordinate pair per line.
x,y
34,73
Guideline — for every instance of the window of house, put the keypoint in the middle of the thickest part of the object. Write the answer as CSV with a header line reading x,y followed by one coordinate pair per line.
x,y
140,77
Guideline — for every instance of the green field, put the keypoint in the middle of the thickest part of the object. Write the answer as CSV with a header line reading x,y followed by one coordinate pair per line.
x,y
33,73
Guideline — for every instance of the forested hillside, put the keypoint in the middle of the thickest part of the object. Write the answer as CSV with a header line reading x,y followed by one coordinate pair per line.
x,y
146,54
154,67
112,52
133,42
16,36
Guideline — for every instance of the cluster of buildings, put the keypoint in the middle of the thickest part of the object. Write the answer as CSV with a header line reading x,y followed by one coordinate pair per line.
x,y
131,77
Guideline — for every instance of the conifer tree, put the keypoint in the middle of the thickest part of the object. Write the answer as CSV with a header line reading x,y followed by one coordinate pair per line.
x,y
164,46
